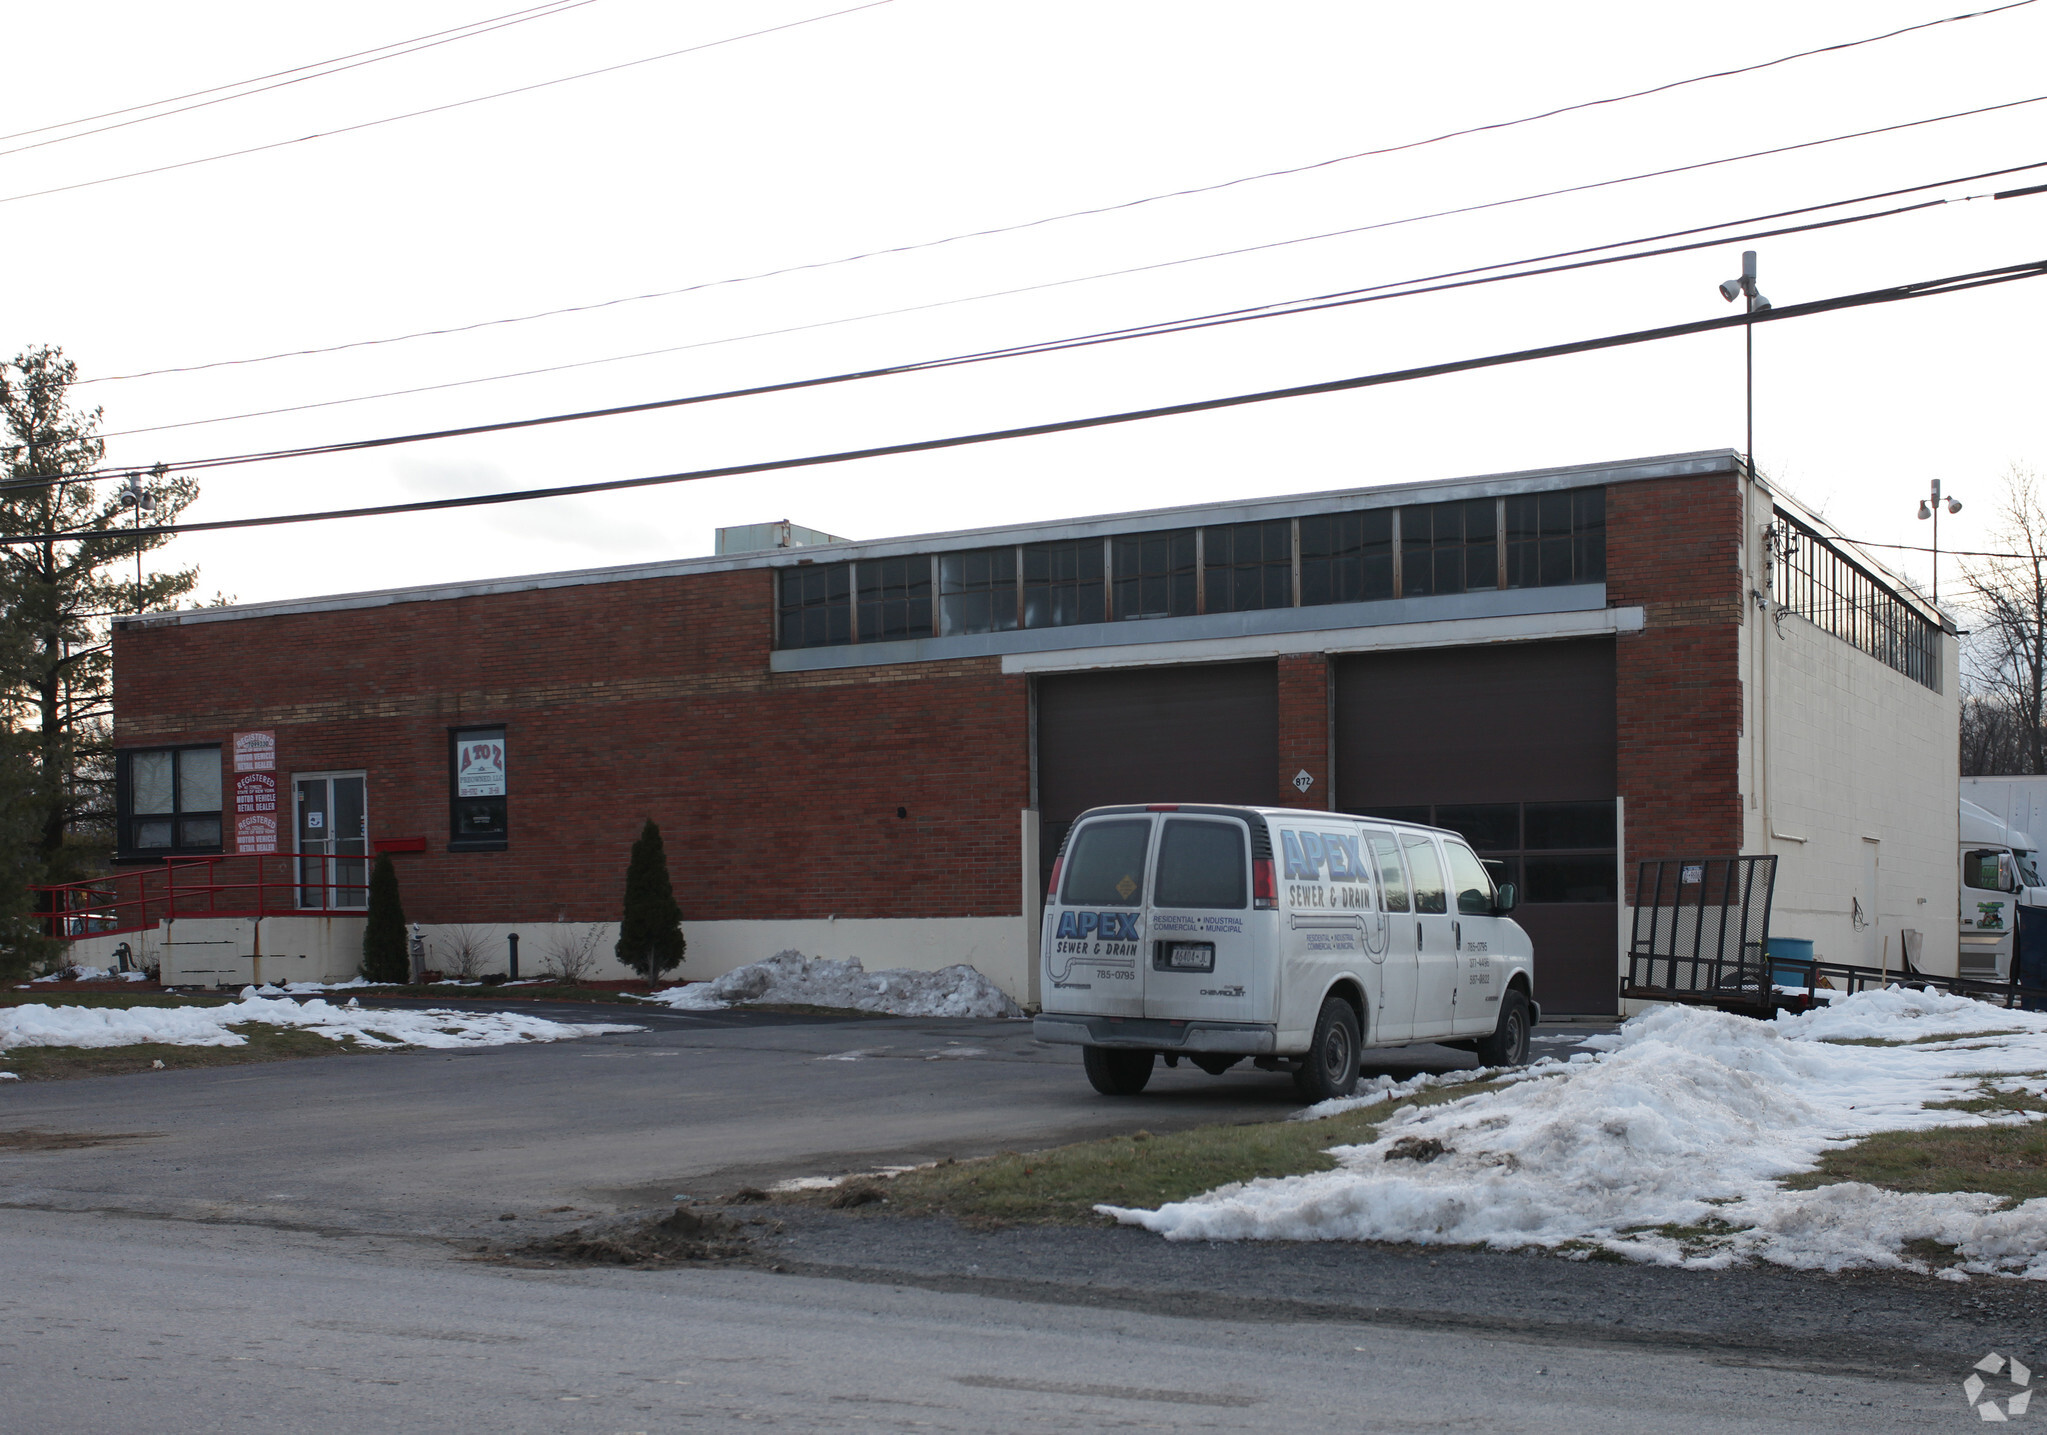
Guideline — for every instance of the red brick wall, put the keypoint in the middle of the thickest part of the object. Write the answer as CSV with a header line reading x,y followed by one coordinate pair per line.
x,y
1672,548
1303,730
777,794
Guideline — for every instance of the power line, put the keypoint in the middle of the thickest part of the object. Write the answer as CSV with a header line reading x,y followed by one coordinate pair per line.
x,y
453,105
383,52
1401,289
1952,284
1002,293
258,79
1427,284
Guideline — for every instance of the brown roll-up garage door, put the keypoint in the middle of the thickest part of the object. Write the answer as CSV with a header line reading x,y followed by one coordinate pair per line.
x,y
1189,734
1512,745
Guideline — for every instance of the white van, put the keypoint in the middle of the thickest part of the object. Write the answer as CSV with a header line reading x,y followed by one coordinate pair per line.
x,y
1293,937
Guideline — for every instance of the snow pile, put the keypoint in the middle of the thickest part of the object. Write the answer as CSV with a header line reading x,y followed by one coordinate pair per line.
x,y
792,979
87,974
1687,1119
35,1025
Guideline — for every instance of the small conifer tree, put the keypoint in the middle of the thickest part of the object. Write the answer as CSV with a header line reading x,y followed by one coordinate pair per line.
x,y
384,954
650,937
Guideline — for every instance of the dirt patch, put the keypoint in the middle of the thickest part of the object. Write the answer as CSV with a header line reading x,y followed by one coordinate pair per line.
x,y
682,1235
33,1140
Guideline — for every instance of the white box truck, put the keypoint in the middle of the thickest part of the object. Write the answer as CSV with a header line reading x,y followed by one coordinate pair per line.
x,y
1294,938
1999,874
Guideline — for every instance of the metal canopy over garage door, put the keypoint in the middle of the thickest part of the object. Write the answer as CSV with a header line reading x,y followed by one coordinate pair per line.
x,y
1513,746
1191,734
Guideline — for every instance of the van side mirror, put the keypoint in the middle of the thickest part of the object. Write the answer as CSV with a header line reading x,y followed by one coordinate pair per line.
x,y
1504,898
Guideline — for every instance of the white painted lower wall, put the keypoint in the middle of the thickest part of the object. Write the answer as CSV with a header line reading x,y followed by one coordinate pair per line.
x,y
210,951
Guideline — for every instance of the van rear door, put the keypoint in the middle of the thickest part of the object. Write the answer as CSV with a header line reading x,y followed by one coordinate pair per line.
x,y
1095,924
1201,953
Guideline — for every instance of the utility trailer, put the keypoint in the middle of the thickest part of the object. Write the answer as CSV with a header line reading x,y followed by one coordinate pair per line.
x,y
1701,936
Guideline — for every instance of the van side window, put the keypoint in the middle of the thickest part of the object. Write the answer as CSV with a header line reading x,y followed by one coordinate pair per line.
x,y
1201,864
1391,882
1429,896
1474,888
1106,866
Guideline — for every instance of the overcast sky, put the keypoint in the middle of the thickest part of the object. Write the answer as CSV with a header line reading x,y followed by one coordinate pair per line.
x,y
914,120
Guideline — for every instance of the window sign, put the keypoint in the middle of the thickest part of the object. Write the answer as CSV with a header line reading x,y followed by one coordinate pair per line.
x,y
256,751
476,798
480,766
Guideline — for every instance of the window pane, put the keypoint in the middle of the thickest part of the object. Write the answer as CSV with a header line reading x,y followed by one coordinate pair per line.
x,y
1106,866
1429,893
1979,870
977,591
1491,827
1386,856
895,599
1570,824
1155,574
815,606
199,832
1569,879
1201,864
1347,557
154,833
199,780
1474,888
1448,547
1063,584
150,784
1249,565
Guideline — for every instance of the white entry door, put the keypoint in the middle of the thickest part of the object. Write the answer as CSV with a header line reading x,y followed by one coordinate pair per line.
x,y
332,832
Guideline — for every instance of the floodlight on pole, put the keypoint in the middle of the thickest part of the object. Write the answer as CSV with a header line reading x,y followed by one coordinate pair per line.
x,y
1742,287
1930,508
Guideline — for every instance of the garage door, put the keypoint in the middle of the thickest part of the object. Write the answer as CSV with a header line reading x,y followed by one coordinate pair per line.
x,y
1193,734
1513,746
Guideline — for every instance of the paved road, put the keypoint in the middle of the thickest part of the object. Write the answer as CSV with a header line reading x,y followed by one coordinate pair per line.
x,y
703,1103
294,1246
118,1325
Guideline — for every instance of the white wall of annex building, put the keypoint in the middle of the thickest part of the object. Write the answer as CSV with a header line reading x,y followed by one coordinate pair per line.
x,y
1849,775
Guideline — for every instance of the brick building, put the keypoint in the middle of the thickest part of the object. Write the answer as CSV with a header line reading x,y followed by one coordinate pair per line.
x,y
873,748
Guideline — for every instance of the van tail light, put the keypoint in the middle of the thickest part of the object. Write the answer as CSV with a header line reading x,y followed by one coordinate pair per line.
x,y
1264,892
1052,892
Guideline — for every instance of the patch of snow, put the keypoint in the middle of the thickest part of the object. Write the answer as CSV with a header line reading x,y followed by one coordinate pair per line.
x,y
1385,1088
791,979
10,1076
827,1183
1683,1118
208,1026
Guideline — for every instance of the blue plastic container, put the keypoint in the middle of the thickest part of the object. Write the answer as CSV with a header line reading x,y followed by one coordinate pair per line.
x,y
1793,949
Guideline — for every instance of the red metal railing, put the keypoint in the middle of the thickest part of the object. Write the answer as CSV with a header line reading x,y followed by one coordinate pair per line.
x,y
266,885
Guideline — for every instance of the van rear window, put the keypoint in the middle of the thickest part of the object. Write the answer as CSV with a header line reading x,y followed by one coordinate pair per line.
x,y
1106,866
1201,864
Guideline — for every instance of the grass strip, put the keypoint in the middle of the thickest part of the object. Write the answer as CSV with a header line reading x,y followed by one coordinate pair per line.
x,y
2006,1161
265,1043
115,1001
1062,1185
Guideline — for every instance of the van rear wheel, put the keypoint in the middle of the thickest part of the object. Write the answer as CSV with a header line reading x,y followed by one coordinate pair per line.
x,y
1115,1072
1508,1045
1330,1069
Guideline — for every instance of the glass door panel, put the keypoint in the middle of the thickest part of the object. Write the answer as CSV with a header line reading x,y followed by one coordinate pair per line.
x,y
331,833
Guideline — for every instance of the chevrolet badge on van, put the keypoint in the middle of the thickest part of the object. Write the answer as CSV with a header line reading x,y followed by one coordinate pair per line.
x,y
1295,938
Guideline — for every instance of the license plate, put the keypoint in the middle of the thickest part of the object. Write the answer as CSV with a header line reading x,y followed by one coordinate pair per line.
x,y
1190,956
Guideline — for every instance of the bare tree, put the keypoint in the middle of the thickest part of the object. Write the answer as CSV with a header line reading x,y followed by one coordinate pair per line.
x,y
462,950
2007,658
572,950
1990,745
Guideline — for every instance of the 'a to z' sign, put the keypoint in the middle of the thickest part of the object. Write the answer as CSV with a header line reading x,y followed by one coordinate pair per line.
x,y
480,767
